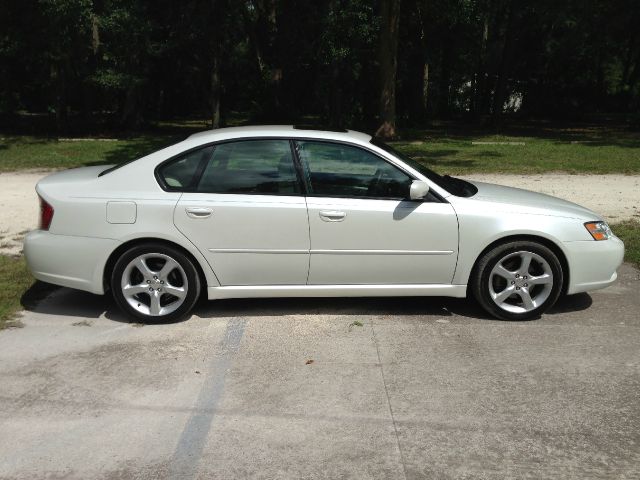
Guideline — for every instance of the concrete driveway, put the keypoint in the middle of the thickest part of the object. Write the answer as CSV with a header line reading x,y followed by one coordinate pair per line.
x,y
425,388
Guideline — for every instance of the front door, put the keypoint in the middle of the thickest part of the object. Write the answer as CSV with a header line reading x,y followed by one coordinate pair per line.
x,y
363,230
247,214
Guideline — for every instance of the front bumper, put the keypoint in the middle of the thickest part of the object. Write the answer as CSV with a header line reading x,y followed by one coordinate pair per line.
x,y
74,262
593,265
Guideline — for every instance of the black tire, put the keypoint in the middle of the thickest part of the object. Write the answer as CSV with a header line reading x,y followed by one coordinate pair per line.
x,y
481,276
188,277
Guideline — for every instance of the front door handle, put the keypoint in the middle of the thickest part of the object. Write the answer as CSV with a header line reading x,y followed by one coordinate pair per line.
x,y
198,212
332,215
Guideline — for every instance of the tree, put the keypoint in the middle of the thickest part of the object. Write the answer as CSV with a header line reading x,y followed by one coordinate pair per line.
x,y
348,32
388,58
91,64
68,43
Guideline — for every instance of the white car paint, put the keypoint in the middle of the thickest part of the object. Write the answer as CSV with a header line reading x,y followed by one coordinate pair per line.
x,y
382,242
251,239
262,245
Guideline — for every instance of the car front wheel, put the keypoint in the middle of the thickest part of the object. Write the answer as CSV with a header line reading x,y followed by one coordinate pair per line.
x,y
517,280
155,283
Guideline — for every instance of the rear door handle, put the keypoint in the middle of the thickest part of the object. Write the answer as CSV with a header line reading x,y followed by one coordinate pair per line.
x,y
198,212
332,215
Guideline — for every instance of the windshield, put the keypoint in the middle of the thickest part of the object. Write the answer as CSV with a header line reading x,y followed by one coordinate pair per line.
x,y
452,185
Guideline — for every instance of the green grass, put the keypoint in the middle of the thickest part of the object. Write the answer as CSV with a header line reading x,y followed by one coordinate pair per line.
x,y
27,152
629,232
446,149
15,279
529,154
18,289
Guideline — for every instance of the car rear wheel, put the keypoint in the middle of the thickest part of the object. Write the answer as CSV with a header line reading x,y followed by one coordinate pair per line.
x,y
155,283
517,280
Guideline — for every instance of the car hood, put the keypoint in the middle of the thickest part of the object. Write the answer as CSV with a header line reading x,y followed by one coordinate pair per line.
x,y
531,202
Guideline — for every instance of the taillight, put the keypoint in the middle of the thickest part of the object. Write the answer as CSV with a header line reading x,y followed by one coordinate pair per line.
x,y
46,214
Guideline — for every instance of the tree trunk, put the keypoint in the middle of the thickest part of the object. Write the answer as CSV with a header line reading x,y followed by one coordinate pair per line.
x,y
60,101
626,68
500,94
425,87
444,83
388,57
335,96
263,35
635,74
217,9
87,88
425,67
216,88
478,103
131,115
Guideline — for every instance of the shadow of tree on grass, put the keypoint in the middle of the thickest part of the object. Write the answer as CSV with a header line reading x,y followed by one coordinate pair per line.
x,y
133,149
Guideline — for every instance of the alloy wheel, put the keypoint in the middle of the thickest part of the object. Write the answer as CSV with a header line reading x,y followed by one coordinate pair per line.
x,y
154,284
520,282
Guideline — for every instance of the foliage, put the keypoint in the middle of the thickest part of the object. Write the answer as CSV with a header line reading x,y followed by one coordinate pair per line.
x,y
629,232
347,40
123,63
28,152
14,281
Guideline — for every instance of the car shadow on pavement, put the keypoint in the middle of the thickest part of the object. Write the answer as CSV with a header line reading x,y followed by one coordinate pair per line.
x,y
363,306
45,299
49,299
571,303
350,306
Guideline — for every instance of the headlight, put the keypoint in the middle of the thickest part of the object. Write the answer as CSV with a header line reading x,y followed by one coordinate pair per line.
x,y
599,230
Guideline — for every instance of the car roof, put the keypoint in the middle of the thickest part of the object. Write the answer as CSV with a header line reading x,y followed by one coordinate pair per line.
x,y
287,131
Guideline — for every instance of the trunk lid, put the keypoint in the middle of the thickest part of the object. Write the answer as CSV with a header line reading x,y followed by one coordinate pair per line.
x,y
74,175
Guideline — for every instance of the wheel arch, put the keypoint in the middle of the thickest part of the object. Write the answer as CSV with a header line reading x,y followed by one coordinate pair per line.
x,y
550,244
113,258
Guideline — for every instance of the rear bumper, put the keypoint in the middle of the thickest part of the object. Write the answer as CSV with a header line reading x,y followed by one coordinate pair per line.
x,y
593,265
74,262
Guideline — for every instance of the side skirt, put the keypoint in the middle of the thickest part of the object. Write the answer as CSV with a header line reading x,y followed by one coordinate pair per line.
x,y
266,291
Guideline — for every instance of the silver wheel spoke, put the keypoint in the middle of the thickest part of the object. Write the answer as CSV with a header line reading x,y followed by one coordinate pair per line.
x,y
527,301
503,272
131,290
526,263
540,280
504,294
168,267
175,291
141,265
154,308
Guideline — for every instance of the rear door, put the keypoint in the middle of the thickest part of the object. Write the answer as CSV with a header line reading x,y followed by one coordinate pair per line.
x,y
363,228
247,214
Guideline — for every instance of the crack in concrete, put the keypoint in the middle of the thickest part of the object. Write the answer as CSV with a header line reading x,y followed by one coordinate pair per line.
x,y
386,392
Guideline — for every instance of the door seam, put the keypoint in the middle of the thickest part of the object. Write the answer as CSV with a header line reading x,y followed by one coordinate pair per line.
x,y
173,219
309,230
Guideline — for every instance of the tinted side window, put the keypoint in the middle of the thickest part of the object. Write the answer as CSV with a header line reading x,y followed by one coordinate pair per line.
x,y
182,173
251,166
336,170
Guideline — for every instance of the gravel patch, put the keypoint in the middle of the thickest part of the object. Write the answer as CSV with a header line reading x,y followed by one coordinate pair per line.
x,y
19,208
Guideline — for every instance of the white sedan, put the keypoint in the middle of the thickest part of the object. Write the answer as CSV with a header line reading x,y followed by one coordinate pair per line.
x,y
281,211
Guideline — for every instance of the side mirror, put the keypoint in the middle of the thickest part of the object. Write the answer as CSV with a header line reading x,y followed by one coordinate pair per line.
x,y
418,190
